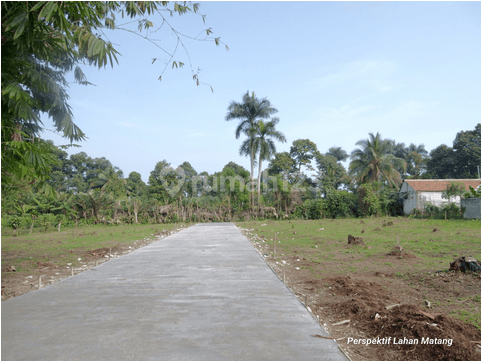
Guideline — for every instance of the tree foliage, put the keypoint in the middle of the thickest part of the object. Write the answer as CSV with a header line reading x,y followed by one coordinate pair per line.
x,y
331,175
442,163
249,112
454,189
284,165
264,136
43,42
303,151
467,152
92,190
373,161
459,161
339,153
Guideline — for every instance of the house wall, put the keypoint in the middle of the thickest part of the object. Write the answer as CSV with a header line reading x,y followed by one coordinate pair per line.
x,y
410,202
472,208
435,198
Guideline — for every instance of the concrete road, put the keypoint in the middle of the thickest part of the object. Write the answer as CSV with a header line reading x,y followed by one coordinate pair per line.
x,y
201,294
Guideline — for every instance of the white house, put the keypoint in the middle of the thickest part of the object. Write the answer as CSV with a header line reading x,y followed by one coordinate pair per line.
x,y
417,193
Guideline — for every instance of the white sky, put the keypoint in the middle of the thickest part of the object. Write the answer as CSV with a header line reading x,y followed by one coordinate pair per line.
x,y
335,71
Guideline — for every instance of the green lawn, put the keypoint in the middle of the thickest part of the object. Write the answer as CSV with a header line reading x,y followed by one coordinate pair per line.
x,y
27,250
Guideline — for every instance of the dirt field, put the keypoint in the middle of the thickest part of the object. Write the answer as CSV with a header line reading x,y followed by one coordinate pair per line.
x,y
362,296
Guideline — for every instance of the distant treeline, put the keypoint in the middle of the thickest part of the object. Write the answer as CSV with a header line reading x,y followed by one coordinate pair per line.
x,y
92,190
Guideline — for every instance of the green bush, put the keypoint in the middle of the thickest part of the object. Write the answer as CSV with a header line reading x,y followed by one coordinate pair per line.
x,y
339,204
310,209
451,211
473,193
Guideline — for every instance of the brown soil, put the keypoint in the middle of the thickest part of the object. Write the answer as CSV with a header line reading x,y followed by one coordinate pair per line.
x,y
363,298
15,284
355,240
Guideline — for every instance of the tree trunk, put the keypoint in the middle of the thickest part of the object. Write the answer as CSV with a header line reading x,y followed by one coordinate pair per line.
x,y
252,176
17,135
259,179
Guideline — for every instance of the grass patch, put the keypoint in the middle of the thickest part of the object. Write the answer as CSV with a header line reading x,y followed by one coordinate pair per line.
x,y
453,238
472,317
422,270
25,252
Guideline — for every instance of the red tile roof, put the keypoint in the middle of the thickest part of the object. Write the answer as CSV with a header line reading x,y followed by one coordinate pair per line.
x,y
439,185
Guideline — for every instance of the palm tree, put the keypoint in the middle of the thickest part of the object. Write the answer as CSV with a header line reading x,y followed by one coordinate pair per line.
x,y
338,152
263,136
414,156
110,180
374,162
249,111
248,147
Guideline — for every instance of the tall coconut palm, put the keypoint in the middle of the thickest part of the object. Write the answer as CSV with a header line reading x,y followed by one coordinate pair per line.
x,y
264,136
249,111
374,162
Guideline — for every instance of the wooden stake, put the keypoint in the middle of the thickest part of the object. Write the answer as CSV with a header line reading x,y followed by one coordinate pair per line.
x,y
72,271
306,299
274,245
342,322
39,281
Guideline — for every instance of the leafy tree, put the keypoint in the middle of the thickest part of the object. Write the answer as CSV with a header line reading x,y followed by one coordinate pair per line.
x,y
135,186
467,153
416,159
80,174
204,183
442,163
238,169
303,151
415,163
458,162
283,164
454,189
248,112
165,183
190,174
374,162
231,183
43,41
331,174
